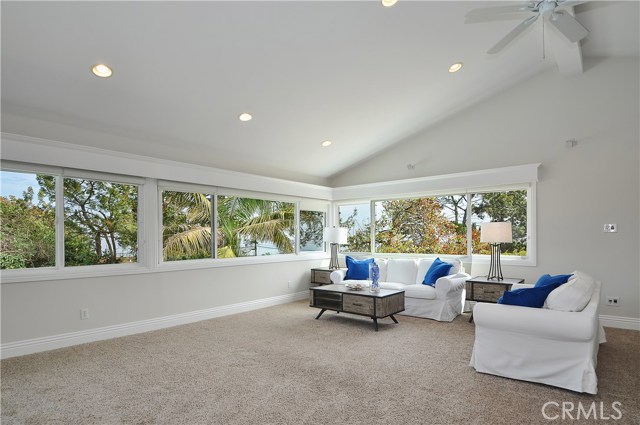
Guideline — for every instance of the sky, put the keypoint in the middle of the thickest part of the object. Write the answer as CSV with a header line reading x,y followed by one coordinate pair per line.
x,y
15,183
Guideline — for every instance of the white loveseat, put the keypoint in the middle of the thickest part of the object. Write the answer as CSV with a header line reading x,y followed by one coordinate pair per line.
x,y
443,303
552,347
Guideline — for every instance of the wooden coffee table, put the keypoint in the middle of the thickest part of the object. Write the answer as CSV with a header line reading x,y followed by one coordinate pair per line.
x,y
376,305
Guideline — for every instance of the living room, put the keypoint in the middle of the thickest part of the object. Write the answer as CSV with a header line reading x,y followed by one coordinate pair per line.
x,y
570,139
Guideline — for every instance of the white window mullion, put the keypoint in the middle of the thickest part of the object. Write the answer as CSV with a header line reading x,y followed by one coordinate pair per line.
x,y
469,224
148,231
59,222
372,219
214,225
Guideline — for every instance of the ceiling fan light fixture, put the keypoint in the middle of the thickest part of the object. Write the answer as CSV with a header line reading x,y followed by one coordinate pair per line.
x,y
101,70
389,3
455,67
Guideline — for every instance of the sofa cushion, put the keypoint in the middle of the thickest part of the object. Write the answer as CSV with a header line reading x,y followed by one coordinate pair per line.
x,y
437,270
528,297
402,271
573,295
426,292
394,285
358,269
547,279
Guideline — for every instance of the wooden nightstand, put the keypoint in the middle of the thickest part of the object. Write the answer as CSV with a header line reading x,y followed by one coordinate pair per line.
x,y
321,276
485,290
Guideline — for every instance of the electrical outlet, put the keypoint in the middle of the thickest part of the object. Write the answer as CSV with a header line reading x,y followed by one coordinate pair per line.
x,y
610,228
84,313
613,301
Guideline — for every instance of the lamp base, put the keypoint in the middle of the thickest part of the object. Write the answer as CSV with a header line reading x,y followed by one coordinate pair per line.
x,y
495,271
334,257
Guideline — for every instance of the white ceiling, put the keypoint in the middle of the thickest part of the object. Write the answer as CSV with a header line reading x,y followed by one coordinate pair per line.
x,y
363,76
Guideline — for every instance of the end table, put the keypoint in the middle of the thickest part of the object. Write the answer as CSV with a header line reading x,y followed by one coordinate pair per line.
x,y
321,276
481,289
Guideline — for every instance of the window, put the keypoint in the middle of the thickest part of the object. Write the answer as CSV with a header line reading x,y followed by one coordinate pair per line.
x,y
501,206
443,224
186,225
254,227
356,218
312,225
27,230
422,225
100,221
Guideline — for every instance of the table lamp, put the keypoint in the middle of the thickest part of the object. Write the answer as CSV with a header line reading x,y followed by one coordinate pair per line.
x,y
335,236
495,233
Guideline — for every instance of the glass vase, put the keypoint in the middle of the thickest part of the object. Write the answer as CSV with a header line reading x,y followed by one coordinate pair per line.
x,y
374,277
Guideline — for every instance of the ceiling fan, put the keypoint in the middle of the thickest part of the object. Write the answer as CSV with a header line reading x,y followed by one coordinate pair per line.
x,y
550,10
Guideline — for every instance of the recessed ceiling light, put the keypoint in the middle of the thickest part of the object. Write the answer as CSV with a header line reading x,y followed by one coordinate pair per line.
x,y
326,143
102,70
245,116
455,67
389,3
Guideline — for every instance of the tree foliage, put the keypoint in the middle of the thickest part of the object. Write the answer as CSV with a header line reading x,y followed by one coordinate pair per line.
x,y
311,230
243,223
27,233
438,225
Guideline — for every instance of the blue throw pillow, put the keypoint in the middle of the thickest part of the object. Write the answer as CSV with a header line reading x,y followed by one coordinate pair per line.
x,y
438,269
547,279
358,269
528,297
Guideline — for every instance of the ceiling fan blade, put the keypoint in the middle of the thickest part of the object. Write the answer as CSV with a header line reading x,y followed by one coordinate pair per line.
x,y
494,13
513,34
568,26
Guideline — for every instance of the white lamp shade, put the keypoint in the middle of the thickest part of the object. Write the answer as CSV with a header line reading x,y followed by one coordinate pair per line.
x,y
335,235
496,232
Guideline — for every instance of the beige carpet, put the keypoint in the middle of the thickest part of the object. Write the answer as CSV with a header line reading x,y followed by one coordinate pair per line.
x,y
280,366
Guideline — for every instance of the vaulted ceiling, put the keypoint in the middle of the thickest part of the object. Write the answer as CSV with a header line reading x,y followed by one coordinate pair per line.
x,y
353,72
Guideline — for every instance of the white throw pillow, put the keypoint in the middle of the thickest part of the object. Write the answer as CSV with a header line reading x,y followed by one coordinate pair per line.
x,y
573,295
402,271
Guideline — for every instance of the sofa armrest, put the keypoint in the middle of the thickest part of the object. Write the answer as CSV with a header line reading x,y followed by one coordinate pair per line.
x,y
337,276
541,322
521,285
451,283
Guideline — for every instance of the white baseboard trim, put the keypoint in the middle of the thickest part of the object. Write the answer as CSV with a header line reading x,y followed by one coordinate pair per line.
x,y
620,322
36,345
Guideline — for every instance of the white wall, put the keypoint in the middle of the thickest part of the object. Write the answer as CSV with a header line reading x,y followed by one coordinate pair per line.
x,y
39,309
579,188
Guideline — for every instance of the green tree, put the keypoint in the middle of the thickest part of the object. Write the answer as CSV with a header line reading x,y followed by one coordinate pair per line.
x,y
311,228
27,233
243,223
418,226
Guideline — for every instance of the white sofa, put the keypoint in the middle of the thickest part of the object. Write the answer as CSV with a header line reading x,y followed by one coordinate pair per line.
x,y
443,303
552,347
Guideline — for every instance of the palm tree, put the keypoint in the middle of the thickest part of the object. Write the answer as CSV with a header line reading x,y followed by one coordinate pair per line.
x,y
241,222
